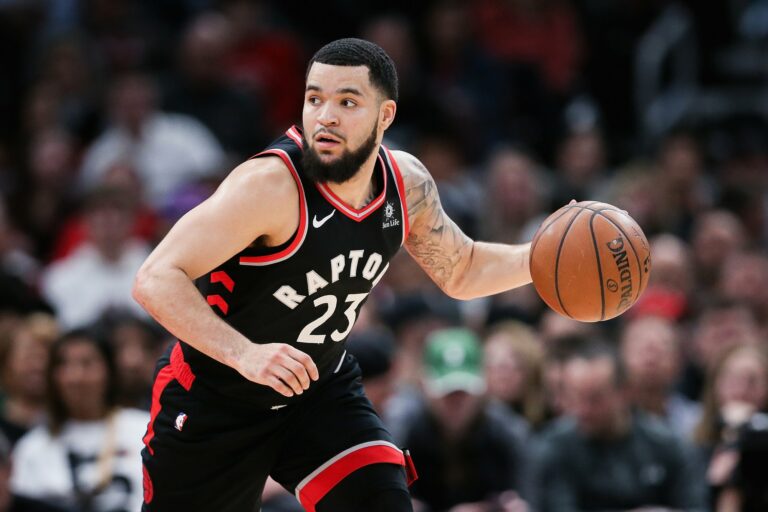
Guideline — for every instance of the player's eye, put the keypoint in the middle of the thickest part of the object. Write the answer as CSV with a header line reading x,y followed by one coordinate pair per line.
x,y
313,100
348,103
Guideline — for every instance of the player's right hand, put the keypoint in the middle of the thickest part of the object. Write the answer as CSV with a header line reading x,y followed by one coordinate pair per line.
x,y
282,367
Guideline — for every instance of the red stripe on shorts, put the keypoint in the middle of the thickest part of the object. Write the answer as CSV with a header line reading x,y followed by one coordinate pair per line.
x,y
181,369
313,488
178,369
149,490
164,377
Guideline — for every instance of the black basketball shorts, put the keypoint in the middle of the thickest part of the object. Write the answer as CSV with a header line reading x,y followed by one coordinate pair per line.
x,y
204,454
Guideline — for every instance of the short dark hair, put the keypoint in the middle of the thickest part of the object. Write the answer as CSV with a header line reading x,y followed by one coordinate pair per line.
x,y
359,52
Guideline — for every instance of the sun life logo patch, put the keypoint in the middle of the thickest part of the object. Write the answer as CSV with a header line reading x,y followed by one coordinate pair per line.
x,y
389,216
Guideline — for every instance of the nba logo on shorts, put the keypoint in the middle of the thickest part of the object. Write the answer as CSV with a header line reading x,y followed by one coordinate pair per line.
x,y
180,420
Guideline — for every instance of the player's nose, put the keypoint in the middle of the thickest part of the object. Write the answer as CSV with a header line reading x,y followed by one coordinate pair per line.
x,y
327,115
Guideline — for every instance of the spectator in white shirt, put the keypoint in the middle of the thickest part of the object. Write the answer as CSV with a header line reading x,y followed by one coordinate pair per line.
x,y
99,274
88,454
168,150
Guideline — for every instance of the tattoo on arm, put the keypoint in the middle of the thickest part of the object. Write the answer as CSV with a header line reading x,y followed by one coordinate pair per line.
x,y
435,241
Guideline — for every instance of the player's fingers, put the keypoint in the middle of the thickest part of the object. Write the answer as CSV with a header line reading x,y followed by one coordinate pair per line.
x,y
289,378
573,201
279,386
298,370
305,361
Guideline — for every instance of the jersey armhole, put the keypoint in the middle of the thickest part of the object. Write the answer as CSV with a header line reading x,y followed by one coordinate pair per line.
x,y
301,231
400,192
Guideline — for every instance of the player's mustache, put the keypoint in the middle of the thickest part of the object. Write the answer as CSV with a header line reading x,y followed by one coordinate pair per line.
x,y
330,132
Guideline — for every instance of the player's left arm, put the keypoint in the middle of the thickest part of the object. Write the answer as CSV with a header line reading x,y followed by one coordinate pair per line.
x,y
460,266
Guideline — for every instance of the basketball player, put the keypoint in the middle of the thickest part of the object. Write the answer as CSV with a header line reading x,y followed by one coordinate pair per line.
x,y
262,284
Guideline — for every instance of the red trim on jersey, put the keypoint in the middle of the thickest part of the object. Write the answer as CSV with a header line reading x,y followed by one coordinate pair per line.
x,y
401,192
313,488
356,214
218,301
149,490
302,231
182,372
223,278
164,377
294,134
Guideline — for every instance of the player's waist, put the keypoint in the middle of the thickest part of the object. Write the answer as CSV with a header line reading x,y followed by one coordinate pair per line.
x,y
214,382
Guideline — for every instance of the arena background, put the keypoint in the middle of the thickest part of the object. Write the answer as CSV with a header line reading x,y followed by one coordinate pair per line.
x,y
117,117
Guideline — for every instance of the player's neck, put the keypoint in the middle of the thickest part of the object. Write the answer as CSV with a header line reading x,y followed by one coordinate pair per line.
x,y
359,190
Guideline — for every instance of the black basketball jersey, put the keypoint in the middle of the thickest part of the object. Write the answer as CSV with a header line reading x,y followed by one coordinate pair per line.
x,y
308,291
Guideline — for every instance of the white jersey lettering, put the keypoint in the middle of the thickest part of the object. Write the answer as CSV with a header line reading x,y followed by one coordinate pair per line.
x,y
372,266
354,257
288,296
315,282
337,265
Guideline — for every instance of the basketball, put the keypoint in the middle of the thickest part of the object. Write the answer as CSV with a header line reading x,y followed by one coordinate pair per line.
x,y
590,261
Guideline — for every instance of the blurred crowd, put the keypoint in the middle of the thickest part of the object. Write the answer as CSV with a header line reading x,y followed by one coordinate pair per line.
x,y
118,116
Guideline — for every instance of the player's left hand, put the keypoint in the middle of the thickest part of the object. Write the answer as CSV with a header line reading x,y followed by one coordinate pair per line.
x,y
280,366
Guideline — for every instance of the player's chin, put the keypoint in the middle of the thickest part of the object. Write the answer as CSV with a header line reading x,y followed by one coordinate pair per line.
x,y
329,156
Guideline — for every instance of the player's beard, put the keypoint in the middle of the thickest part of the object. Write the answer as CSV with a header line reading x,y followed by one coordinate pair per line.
x,y
340,169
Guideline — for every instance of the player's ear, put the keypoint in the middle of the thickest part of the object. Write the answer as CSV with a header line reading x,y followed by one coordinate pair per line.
x,y
387,112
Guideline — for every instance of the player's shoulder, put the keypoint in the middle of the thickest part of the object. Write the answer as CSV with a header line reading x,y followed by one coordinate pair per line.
x,y
267,176
267,170
413,171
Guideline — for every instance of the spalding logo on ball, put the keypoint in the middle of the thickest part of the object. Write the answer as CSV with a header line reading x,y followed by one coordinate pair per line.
x,y
590,261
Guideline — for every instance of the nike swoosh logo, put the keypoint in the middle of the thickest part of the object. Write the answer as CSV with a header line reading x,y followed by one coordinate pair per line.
x,y
317,223
276,407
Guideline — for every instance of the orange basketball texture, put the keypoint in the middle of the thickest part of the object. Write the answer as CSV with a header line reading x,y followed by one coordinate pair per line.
x,y
590,261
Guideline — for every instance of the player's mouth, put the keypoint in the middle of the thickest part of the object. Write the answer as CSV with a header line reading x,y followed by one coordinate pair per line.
x,y
326,141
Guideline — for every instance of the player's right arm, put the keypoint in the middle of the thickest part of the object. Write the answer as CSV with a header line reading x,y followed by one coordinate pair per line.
x,y
249,204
